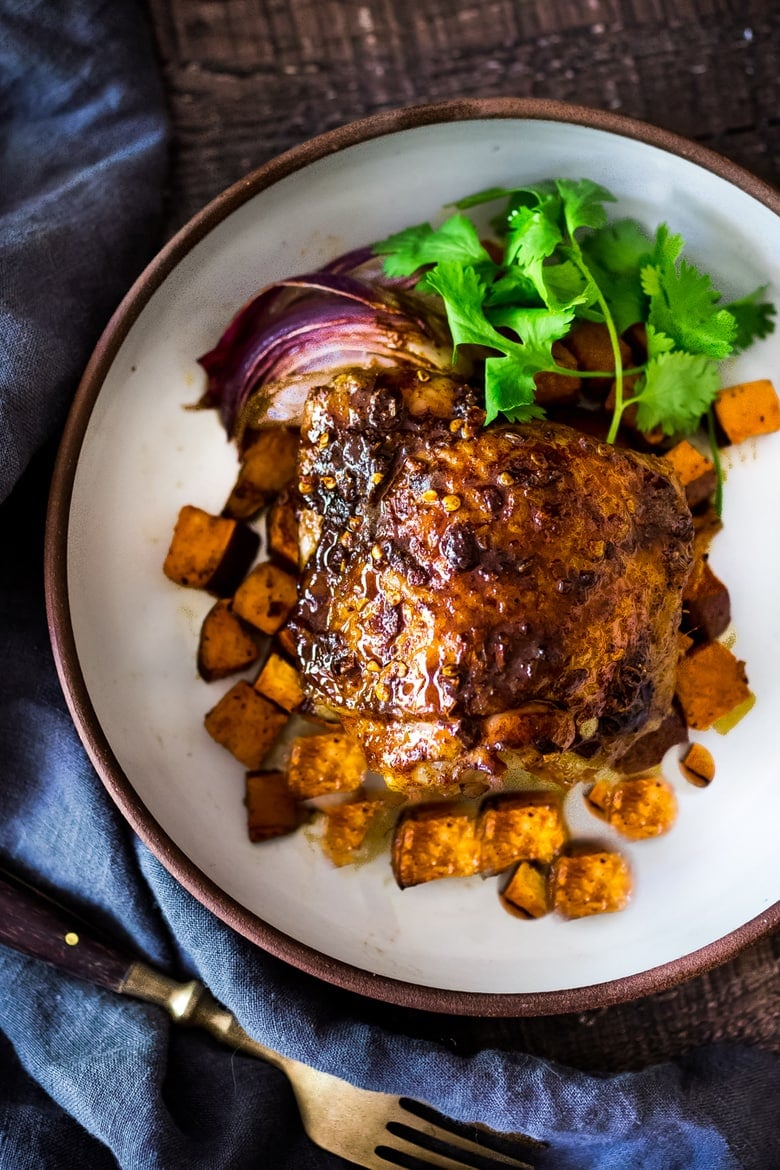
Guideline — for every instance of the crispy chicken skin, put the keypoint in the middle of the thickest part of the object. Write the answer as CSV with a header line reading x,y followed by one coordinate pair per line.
x,y
469,592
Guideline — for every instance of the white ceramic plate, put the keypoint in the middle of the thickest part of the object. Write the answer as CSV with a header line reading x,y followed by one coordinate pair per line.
x,y
126,638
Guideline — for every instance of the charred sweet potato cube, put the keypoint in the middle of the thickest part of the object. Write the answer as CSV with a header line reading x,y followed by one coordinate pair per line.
x,y
556,389
280,682
435,841
698,766
226,644
268,465
519,826
348,827
648,751
283,529
748,409
642,807
711,682
322,764
635,338
527,894
590,343
209,552
246,724
271,808
695,472
706,603
265,597
598,797
590,882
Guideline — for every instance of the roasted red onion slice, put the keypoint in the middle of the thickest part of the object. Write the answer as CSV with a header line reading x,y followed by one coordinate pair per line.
x,y
304,329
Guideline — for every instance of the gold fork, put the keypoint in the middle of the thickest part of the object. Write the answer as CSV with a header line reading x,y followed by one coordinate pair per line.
x,y
370,1129
375,1130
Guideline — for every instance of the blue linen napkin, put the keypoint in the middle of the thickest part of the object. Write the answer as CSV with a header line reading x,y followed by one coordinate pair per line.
x,y
91,1079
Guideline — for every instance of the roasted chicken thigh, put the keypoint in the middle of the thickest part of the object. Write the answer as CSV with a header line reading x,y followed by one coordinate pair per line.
x,y
472,596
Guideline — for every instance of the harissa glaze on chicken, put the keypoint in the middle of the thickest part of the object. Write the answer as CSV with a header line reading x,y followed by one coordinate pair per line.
x,y
475,595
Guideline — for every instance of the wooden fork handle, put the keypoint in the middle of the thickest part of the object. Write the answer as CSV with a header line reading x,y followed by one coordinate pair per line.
x,y
40,927
37,926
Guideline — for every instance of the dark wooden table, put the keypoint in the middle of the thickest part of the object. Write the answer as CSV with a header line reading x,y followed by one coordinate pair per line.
x,y
246,79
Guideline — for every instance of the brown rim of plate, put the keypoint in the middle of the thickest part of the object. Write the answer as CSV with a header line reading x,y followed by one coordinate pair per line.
x,y
270,939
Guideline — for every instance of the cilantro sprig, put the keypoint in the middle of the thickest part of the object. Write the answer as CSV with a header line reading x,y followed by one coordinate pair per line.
x,y
562,260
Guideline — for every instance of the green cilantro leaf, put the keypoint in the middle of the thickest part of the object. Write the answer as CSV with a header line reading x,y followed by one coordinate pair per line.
x,y
566,286
489,195
683,302
753,318
511,287
678,389
583,203
533,237
657,342
561,260
536,328
418,246
509,381
615,255
515,196
462,291
510,389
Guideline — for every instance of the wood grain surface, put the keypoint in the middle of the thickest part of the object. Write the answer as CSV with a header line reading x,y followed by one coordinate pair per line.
x,y
247,79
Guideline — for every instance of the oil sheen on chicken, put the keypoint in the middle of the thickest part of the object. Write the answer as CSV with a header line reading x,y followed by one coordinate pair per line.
x,y
472,595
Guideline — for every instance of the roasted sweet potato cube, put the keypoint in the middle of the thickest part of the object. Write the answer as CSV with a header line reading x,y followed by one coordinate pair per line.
x,y
748,409
209,552
348,827
226,645
271,809
321,764
283,529
246,724
585,883
711,682
266,597
648,751
267,466
280,681
519,826
706,603
590,343
598,798
635,338
435,841
527,894
698,766
642,807
555,389
695,472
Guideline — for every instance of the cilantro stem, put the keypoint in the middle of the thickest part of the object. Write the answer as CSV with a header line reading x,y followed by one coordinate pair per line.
x,y
575,373
718,500
613,337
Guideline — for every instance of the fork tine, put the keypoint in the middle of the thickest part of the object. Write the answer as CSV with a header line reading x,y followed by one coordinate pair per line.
x,y
443,1127
413,1155
413,1148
